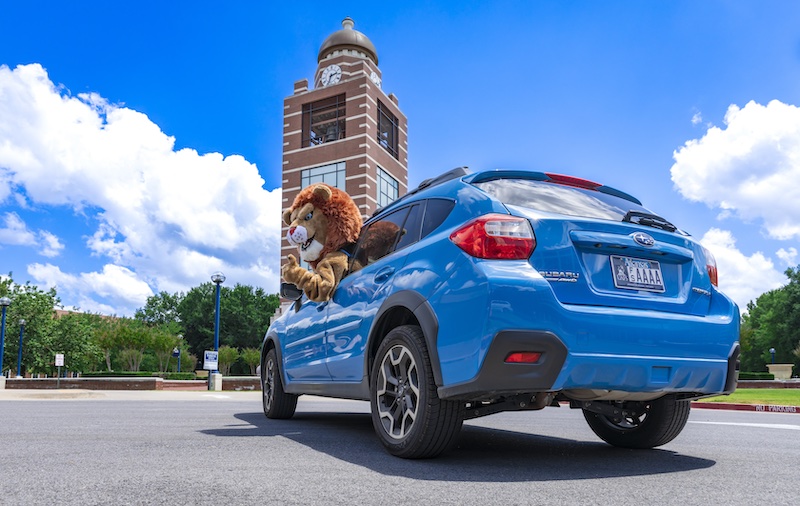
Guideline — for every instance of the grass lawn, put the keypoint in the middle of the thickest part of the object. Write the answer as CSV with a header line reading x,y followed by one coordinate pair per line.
x,y
773,396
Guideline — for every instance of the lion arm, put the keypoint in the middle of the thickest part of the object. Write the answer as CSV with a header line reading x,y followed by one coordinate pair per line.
x,y
319,284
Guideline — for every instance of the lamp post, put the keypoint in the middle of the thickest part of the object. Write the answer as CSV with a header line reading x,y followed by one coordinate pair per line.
x,y
19,352
772,352
218,278
180,340
4,302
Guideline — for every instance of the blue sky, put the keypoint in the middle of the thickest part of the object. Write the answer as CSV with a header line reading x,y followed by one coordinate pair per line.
x,y
140,142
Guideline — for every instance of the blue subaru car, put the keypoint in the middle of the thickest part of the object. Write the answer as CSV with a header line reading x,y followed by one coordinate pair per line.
x,y
505,290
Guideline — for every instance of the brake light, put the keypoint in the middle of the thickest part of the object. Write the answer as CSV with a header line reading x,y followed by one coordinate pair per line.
x,y
497,237
711,267
573,181
523,357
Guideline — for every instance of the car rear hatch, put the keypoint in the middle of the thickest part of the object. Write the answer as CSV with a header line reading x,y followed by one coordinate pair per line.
x,y
598,246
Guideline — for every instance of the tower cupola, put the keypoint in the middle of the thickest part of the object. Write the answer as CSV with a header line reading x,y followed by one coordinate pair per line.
x,y
348,39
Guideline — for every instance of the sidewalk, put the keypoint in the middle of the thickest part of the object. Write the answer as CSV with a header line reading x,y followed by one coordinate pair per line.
x,y
172,390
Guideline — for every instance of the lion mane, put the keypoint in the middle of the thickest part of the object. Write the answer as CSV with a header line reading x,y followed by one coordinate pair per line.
x,y
344,219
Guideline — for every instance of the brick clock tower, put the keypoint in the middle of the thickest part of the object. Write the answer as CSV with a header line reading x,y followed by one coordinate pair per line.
x,y
345,131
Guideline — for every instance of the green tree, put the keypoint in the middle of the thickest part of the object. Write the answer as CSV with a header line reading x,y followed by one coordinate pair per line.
x,y
73,335
134,337
164,339
772,321
160,309
251,357
245,312
36,307
227,357
196,311
244,316
106,336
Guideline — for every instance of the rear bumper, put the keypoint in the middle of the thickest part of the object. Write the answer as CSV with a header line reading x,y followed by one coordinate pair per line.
x,y
590,375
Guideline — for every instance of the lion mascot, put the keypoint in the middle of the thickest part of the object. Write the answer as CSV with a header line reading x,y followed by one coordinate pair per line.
x,y
322,221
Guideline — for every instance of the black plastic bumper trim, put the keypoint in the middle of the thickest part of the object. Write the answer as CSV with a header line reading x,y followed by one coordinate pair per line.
x,y
497,378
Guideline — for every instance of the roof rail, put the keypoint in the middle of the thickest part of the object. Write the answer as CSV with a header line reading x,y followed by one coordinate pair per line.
x,y
428,183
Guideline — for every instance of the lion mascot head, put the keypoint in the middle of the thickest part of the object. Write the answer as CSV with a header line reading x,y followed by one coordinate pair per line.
x,y
322,220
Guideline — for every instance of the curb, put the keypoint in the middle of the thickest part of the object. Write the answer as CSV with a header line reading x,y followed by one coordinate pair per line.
x,y
761,408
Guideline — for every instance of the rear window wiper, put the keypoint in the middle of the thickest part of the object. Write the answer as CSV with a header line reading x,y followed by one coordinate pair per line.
x,y
649,220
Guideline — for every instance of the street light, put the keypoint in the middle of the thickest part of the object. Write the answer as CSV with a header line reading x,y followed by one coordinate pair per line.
x,y
4,302
180,339
19,353
218,278
772,352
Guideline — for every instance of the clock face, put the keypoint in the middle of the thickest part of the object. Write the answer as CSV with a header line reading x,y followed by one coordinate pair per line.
x,y
375,78
331,75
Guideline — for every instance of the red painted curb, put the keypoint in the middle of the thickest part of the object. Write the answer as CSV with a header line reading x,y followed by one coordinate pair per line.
x,y
761,408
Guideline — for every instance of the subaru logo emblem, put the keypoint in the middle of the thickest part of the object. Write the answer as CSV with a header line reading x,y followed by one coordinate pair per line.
x,y
644,239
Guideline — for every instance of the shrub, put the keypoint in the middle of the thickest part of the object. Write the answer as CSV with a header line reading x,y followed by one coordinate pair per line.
x,y
116,374
178,375
756,376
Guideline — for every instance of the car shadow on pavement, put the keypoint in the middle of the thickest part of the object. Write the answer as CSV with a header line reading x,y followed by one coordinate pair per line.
x,y
481,454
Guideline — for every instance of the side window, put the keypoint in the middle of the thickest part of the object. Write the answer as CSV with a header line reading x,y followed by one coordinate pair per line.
x,y
436,211
411,228
378,239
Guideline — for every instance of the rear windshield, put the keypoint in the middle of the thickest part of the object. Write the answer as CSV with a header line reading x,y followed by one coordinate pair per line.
x,y
557,198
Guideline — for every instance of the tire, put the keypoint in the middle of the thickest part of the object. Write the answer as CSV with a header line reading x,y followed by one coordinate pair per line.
x,y
661,422
407,414
277,403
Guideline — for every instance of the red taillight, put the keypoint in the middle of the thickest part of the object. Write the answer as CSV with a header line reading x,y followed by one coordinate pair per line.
x,y
711,267
523,357
496,236
573,181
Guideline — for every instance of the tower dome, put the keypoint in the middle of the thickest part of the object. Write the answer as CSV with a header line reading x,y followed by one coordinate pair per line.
x,y
348,38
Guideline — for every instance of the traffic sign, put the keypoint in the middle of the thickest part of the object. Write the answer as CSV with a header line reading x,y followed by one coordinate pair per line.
x,y
59,360
211,360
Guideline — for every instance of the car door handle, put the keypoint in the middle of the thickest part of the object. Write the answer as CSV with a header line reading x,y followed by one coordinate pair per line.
x,y
384,274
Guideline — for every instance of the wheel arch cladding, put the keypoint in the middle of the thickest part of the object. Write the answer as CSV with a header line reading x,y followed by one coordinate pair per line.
x,y
406,308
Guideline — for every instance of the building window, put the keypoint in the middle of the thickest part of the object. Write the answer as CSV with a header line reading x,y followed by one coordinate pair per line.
x,y
387,129
323,121
387,188
332,174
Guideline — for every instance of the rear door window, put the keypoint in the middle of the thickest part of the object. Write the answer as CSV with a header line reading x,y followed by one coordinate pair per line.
x,y
394,232
436,211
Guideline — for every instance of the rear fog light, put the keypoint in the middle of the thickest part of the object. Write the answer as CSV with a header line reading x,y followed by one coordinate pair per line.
x,y
523,357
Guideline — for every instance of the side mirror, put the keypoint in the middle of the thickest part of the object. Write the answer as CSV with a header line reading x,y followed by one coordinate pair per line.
x,y
290,291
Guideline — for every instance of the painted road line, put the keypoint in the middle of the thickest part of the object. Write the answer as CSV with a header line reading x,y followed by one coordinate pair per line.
x,y
757,425
763,408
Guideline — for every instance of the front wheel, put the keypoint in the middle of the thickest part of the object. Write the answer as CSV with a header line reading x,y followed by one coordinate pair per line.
x,y
654,423
407,414
277,403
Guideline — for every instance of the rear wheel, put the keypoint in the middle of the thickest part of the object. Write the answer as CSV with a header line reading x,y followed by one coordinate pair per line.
x,y
407,414
650,424
277,403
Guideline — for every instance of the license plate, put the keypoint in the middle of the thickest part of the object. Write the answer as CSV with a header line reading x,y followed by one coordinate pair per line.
x,y
637,274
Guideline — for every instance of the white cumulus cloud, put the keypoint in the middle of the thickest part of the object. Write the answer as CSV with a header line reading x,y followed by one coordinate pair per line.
x,y
750,169
743,278
119,285
15,232
164,219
